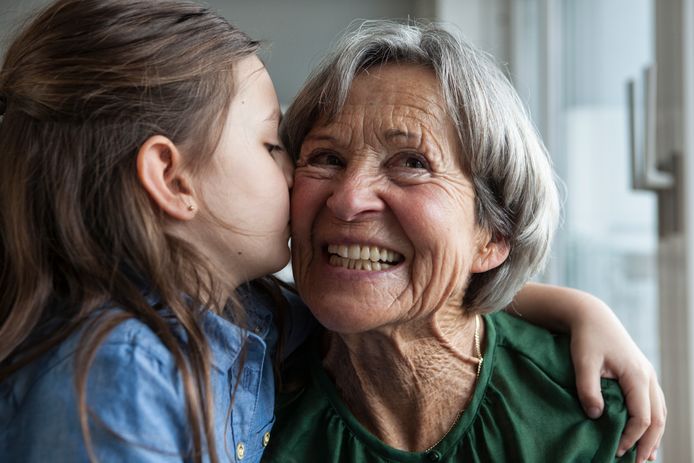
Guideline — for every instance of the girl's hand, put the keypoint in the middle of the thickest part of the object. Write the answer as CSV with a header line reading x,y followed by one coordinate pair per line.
x,y
601,348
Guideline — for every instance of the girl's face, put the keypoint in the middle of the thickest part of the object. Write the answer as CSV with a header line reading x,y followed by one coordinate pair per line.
x,y
243,225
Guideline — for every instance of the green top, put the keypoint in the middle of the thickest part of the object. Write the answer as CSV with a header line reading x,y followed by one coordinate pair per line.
x,y
524,409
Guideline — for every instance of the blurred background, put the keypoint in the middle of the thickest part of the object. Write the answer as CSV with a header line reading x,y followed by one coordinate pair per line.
x,y
625,157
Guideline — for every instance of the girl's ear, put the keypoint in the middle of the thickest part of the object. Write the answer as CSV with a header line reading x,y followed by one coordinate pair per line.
x,y
490,255
159,168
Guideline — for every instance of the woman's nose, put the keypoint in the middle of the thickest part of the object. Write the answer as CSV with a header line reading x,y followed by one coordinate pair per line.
x,y
354,196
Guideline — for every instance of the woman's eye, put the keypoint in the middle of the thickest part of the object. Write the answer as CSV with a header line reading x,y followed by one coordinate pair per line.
x,y
415,163
410,161
325,158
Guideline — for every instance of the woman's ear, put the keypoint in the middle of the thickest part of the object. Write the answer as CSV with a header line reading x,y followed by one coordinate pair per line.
x,y
159,168
490,255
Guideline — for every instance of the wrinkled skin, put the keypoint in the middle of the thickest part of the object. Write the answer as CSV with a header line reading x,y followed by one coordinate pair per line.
x,y
406,192
387,173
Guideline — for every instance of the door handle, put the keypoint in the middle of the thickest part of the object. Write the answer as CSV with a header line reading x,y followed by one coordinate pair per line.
x,y
645,174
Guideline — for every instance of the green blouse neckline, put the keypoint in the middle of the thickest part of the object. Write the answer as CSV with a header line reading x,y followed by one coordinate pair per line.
x,y
449,442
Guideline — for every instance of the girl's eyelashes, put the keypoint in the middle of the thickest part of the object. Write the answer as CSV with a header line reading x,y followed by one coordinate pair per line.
x,y
273,149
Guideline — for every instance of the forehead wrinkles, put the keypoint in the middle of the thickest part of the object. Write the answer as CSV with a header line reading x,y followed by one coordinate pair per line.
x,y
410,97
384,122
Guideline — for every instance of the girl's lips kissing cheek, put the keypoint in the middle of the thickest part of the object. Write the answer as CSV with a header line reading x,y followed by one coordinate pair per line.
x,y
362,257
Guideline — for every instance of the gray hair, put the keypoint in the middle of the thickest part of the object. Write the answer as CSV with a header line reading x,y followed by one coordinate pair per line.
x,y
515,192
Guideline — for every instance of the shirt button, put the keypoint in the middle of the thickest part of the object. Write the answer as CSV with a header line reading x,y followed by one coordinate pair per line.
x,y
266,439
240,451
434,456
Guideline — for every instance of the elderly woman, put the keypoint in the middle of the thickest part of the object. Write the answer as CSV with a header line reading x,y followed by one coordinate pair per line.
x,y
423,200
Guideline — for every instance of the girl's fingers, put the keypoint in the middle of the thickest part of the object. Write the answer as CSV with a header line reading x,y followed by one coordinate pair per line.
x,y
649,443
639,406
588,386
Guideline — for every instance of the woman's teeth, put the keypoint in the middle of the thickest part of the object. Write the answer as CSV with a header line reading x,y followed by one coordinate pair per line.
x,y
358,257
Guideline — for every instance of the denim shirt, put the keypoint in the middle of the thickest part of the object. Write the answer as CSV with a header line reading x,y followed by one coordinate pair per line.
x,y
136,390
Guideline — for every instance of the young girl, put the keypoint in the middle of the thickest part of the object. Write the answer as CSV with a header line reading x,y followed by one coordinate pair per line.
x,y
142,186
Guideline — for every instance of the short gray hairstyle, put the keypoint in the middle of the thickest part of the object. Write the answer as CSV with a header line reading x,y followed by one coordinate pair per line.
x,y
515,191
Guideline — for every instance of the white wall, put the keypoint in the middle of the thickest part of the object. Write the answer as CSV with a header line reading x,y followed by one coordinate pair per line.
x,y
298,31
483,22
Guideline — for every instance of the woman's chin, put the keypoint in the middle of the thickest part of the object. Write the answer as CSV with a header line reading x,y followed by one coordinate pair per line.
x,y
348,317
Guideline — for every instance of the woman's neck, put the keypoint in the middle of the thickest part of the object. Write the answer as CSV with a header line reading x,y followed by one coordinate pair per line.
x,y
407,384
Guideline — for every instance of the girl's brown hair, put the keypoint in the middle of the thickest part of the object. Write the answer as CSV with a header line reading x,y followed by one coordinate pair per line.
x,y
81,89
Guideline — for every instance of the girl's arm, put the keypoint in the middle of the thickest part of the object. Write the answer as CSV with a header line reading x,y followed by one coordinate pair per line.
x,y
600,347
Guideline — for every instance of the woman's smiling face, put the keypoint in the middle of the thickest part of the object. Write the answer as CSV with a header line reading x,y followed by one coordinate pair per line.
x,y
383,218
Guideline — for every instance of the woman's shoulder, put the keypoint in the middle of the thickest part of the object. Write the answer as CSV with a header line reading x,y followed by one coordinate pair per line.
x,y
518,340
532,386
549,351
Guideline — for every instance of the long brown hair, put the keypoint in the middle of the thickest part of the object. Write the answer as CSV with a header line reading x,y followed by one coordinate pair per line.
x,y
81,88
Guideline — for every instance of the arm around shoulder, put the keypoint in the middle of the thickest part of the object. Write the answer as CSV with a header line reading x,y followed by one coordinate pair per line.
x,y
601,347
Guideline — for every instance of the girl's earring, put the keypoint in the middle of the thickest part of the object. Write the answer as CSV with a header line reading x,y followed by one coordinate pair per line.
x,y
191,207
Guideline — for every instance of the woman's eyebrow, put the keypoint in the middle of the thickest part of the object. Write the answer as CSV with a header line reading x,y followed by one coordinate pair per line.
x,y
321,137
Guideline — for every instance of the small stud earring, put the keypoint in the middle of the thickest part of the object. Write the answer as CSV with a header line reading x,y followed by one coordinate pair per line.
x,y
191,207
